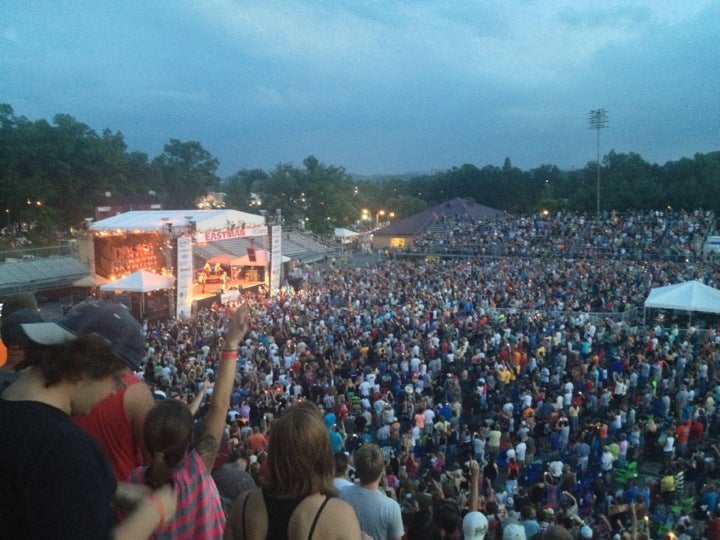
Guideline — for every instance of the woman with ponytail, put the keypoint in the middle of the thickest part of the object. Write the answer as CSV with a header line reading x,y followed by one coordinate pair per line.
x,y
178,460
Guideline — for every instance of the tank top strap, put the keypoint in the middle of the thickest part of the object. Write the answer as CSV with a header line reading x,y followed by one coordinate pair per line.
x,y
317,516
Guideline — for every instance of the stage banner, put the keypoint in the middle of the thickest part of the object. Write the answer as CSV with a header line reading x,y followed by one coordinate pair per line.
x,y
275,258
204,237
185,277
229,296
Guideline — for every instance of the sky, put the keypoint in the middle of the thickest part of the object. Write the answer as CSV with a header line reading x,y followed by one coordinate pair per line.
x,y
378,86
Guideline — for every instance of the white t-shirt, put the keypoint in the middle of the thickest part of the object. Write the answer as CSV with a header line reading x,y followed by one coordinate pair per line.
x,y
556,468
669,444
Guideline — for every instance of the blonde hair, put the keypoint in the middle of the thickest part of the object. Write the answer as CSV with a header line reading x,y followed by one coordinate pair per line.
x,y
300,457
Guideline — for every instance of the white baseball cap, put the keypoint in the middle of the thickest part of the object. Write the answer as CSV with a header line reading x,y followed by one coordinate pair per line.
x,y
475,526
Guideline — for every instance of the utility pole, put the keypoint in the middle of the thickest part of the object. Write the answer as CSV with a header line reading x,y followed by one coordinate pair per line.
x,y
597,120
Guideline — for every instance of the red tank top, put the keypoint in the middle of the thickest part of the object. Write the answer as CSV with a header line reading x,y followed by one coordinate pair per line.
x,y
110,427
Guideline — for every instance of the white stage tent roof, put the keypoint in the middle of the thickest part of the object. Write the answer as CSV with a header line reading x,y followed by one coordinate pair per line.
x,y
687,296
156,220
140,281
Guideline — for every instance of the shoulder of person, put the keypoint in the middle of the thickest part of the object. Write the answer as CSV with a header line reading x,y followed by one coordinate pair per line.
x,y
337,520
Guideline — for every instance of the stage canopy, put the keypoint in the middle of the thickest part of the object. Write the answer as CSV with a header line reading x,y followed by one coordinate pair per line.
x,y
687,296
157,220
140,281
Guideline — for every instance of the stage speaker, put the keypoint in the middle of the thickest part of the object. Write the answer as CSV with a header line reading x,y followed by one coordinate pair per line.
x,y
251,254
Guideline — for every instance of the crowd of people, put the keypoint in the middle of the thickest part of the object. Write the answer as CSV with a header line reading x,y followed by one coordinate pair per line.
x,y
514,397
648,235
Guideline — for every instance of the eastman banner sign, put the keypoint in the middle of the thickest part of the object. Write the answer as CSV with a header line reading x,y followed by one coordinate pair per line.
x,y
229,234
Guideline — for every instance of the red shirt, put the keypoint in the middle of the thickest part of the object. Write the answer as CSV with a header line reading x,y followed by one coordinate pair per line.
x,y
256,442
109,425
696,430
683,433
713,529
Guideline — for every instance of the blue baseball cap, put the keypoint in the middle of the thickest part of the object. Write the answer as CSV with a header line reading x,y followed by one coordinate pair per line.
x,y
112,321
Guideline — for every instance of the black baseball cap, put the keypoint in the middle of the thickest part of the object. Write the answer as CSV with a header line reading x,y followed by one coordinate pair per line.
x,y
13,334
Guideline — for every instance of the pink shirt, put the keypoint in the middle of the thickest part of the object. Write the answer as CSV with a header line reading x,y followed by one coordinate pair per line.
x,y
199,514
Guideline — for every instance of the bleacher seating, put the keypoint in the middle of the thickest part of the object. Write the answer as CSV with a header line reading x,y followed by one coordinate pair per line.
x,y
40,273
651,235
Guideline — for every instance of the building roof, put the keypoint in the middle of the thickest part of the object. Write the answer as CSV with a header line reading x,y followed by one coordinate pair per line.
x,y
453,208
155,220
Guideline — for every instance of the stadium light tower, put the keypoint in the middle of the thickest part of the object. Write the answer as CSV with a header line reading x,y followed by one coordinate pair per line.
x,y
597,120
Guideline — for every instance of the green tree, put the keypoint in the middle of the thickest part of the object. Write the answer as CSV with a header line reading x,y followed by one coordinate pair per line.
x,y
326,197
187,172
240,187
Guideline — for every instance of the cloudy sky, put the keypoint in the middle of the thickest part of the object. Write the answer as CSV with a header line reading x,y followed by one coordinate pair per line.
x,y
379,86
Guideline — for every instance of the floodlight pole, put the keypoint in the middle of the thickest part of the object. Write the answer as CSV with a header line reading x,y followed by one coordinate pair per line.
x,y
597,120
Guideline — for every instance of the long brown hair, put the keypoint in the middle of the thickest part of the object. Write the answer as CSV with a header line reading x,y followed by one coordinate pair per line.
x,y
167,435
300,457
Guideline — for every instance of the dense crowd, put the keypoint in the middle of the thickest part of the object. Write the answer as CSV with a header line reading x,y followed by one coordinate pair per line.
x,y
526,366
528,369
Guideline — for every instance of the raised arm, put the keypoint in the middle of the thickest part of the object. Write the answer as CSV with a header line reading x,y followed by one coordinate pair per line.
x,y
474,475
220,401
197,400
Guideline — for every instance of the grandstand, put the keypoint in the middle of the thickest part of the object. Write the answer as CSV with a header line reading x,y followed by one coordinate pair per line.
x,y
40,273
652,235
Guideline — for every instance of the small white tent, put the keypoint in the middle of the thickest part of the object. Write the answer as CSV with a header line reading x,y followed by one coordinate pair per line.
x,y
140,281
687,296
345,236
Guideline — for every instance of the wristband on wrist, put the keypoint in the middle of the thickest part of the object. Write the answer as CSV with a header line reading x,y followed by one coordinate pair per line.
x,y
229,355
158,507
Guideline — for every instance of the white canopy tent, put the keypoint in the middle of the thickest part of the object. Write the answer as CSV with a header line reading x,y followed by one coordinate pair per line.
x,y
345,235
141,281
690,296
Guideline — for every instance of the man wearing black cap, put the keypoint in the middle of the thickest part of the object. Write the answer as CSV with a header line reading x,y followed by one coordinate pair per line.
x,y
55,479
117,421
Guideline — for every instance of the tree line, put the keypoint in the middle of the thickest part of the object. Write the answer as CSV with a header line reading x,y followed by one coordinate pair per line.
x,y
56,173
